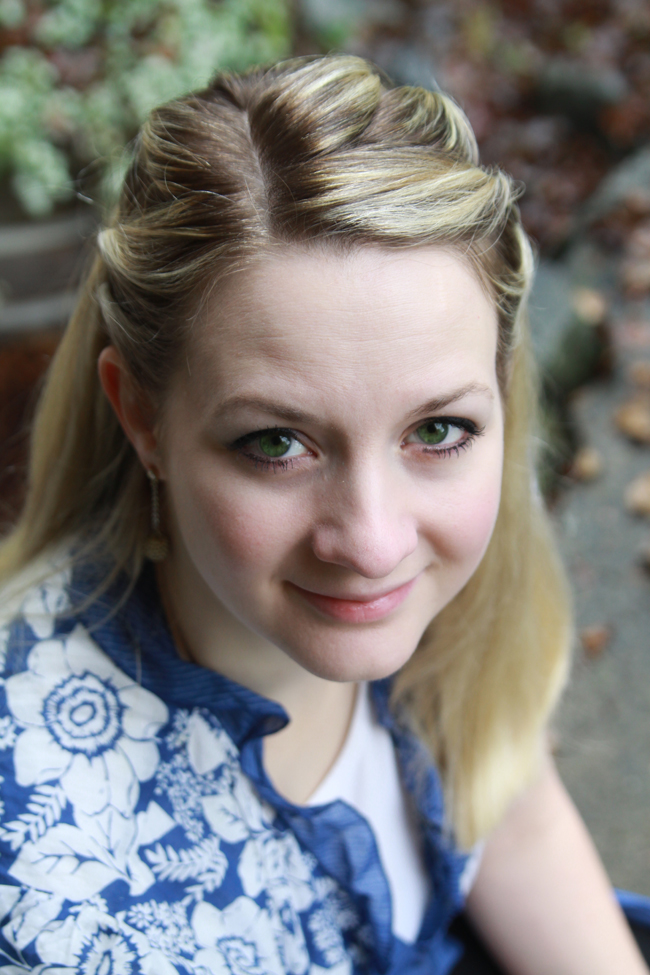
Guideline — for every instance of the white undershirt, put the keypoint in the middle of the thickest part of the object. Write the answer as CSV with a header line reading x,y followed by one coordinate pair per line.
x,y
365,776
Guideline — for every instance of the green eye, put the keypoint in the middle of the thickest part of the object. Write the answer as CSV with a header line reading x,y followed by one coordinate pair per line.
x,y
433,432
274,444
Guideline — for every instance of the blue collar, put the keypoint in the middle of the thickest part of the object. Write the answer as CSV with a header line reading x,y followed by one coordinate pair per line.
x,y
137,638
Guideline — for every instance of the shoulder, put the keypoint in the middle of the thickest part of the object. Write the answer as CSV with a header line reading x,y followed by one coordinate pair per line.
x,y
38,595
48,656
68,715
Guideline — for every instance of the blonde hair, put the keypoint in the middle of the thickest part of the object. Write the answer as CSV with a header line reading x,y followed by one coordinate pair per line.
x,y
316,150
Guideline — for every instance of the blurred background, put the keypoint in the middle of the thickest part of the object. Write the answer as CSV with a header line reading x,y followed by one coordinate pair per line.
x,y
558,93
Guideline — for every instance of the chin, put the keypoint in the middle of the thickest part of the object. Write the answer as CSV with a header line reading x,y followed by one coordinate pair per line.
x,y
348,657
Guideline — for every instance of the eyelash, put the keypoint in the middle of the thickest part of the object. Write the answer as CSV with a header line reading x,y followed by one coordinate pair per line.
x,y
267,464
471,429
264,463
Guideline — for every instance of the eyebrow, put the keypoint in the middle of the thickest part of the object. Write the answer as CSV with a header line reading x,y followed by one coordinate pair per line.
x,y
440,402
288,413
292,415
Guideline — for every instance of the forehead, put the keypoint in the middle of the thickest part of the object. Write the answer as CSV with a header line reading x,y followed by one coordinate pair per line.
x,y
372,311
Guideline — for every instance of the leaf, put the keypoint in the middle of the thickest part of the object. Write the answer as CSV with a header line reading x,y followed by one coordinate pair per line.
x,y
45,807
204,862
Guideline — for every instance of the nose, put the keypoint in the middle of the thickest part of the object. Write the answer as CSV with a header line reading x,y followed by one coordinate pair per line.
x,y
366,525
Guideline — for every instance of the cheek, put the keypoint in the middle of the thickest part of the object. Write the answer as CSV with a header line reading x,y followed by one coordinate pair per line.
x,y
477,520
466,522
231,527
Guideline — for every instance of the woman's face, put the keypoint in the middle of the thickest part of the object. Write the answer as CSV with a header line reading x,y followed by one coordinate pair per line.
x,y
332,452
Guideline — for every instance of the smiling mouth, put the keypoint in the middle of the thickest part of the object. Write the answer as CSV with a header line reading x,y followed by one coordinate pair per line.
x,y
356,610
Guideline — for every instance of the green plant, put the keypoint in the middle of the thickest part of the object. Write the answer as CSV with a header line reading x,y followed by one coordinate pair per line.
x,y
77,77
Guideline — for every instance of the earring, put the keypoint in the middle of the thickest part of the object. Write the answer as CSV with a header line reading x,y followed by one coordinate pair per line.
x,y
156,546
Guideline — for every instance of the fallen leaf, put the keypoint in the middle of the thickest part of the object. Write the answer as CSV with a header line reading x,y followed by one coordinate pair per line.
x,y
594,639
590,306
639,373
633,419
637,495
587,465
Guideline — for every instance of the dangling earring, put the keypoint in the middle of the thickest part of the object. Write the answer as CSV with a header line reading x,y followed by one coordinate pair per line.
x,y
156,546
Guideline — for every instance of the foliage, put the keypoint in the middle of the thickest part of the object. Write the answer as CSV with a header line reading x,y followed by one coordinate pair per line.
x,y
77,77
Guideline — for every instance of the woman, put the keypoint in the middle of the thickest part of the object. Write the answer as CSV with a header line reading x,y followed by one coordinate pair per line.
x,y
281,468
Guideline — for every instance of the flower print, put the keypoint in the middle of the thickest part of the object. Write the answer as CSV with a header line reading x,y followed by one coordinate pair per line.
x,y
44,602
327,936
343,968
337,902
61,942
177,736
204,784
87,724
200,766
166,927
26,913
257,815
276,863
7,733
10,895
289,935
205,862
235,811
184,790
208,747
236,941
92,940
107,954
78,862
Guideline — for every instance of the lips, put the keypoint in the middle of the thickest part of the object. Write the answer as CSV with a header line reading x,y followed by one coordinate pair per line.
x,y
356,610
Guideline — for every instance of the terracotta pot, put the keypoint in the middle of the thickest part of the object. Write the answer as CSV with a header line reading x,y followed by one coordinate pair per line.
x,y
40,265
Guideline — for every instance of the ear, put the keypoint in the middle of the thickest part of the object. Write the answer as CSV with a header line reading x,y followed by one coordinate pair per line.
x,y
131,405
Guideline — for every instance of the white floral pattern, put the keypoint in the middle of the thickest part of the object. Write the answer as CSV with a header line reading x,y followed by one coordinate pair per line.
x,y
86,724
131,818
132,842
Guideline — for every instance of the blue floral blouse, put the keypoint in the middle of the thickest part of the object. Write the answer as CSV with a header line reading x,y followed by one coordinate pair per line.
x,y
139,832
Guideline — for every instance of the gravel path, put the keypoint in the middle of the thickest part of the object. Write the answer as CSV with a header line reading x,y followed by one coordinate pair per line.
x,y
604,720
